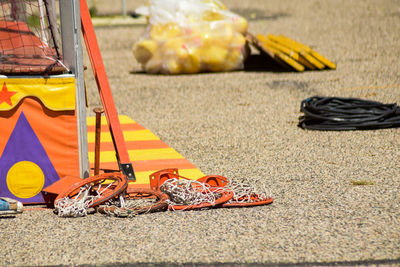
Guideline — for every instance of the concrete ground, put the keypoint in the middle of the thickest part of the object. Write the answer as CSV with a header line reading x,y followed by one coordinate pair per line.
x,y
242,125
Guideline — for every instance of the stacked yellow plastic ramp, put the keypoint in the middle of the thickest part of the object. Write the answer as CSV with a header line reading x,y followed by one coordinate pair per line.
x,y
289,53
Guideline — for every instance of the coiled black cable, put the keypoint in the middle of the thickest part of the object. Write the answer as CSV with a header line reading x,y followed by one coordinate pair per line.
x,y
340,114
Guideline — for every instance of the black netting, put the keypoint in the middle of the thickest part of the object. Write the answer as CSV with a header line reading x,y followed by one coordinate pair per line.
x,y
29,37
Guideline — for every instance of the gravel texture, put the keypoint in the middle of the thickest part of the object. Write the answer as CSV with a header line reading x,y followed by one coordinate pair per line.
x,y
244,125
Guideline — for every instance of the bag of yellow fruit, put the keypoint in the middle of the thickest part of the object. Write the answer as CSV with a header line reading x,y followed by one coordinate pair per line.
x,y
190,36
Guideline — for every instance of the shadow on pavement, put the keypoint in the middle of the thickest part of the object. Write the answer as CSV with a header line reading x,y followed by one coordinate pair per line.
x,y
333,263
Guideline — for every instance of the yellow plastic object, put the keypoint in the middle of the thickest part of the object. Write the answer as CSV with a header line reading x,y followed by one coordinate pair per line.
x,y
286,42
240,24
220,34
324,60
312,60
297,47
191,64
178,58
307,50
291,62
291,53
205,48
166,31
172,66
216,4
174,47
238,41
280,57
233,59
204,36
210,15
153,65
144,50
312,52
214,57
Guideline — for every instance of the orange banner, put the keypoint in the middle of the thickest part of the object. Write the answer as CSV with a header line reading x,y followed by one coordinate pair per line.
x,y
38,145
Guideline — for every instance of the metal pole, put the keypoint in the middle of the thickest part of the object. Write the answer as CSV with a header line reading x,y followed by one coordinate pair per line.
x,y
98,112
42,22
73,58
124,8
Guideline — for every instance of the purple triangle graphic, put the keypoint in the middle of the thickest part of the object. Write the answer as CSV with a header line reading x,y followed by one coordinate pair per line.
x,y
24,145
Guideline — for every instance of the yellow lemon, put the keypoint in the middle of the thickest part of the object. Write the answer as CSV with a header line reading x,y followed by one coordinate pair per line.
x,y
171,66
216,4
144,50
201,30
211,15
166,31
234,60
213,57
223,34
240,24
192,63
175,47
179,57
215,33
238,41
153,65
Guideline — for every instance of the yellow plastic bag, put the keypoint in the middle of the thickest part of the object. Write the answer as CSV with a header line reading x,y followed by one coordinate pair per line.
x,y
191,36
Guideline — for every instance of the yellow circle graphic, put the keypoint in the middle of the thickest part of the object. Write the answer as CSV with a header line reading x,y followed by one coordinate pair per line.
x,y
25,179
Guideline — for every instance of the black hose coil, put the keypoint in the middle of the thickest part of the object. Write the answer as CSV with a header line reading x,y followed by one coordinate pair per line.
x,y
340,114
